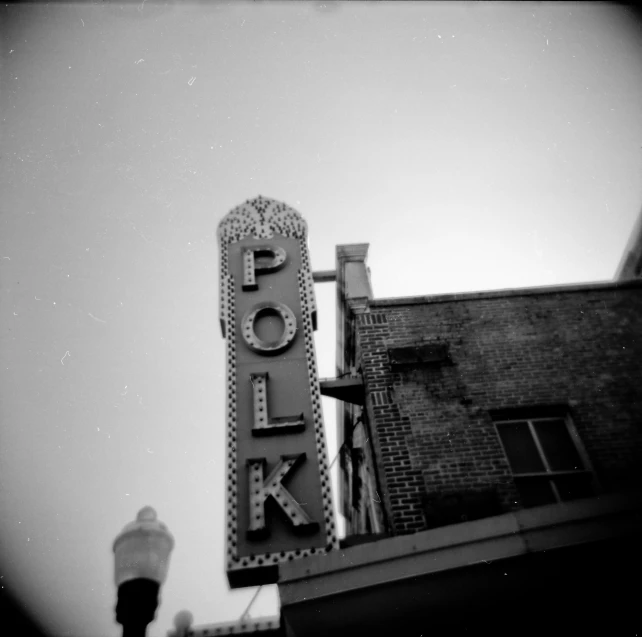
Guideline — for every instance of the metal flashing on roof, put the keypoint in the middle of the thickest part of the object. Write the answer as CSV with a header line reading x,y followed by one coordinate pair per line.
x,y
508,292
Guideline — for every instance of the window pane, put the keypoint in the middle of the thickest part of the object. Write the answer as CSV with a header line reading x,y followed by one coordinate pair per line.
x,y
559,449
535,492
573,487
520,448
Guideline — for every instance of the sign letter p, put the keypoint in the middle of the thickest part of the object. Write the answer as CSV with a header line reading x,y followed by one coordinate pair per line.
x,y
260,260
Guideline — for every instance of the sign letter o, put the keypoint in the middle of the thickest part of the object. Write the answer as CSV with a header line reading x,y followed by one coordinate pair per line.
x,y
269,348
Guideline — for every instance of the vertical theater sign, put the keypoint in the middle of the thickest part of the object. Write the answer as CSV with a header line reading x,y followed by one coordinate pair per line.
x,y
279,501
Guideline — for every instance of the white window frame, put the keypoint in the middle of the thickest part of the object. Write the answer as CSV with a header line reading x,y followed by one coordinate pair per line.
x,y
548,472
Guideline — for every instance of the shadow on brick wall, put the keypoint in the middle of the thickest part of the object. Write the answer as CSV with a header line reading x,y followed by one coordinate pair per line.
x,y
454,507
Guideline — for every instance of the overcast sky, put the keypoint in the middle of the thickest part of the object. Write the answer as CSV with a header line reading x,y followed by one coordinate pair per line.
x,y
474,146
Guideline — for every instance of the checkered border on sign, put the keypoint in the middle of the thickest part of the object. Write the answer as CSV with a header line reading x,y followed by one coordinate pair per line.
x,y
332,541
230,447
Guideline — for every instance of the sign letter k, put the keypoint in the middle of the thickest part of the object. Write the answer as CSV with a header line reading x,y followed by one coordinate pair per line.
x,y
261,489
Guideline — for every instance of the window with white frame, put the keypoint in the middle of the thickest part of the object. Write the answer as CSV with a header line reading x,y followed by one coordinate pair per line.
x,y
546,459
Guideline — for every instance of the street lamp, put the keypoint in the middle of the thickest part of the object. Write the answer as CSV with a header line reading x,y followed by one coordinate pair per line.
x,y
141,560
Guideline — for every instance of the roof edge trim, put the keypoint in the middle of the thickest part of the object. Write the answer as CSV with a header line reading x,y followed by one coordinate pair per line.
x,y
507,292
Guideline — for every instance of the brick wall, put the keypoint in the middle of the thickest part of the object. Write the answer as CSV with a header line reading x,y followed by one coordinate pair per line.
x,y
430,424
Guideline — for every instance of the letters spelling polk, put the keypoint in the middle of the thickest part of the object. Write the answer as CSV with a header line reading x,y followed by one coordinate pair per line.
x,y
279,504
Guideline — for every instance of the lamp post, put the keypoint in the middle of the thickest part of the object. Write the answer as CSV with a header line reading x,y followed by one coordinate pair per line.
x,y
141,556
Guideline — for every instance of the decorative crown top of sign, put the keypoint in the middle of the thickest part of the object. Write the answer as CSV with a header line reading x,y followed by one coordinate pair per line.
x,y
261,218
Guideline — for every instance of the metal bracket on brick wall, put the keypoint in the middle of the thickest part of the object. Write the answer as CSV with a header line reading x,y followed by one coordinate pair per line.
x,y
349,389
324,276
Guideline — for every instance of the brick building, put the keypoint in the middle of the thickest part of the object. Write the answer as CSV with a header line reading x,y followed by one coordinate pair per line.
x,y
446,375
491,448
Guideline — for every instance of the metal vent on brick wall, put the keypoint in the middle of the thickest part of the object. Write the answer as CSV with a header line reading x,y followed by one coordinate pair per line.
x,y
416,355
